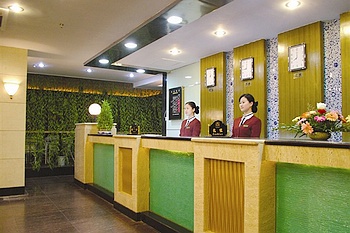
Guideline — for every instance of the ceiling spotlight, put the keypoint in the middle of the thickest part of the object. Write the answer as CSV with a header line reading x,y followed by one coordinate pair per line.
x,y
130,45
293,4
16,8
131,75
89,70
174,51
188,77
174,19
220,33
141,71
103,61
40,65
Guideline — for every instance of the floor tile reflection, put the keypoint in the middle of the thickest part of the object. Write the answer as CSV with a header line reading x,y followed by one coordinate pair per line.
x,y
56,204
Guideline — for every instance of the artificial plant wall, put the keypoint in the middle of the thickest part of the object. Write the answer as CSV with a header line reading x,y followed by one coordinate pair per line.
x,y
56,104
59,111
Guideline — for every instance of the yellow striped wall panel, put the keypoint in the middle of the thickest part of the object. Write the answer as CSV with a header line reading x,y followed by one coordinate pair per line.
x,y
225,191
345,58
299,91
255,86
213,99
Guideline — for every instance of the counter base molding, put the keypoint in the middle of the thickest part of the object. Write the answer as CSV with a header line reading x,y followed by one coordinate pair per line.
x,y
162,224
311,198
171,186
12,191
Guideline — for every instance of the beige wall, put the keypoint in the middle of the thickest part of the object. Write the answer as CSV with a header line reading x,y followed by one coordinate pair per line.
x,y
13,67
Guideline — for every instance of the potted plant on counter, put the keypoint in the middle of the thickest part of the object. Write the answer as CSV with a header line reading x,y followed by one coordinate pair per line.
x,y
105,119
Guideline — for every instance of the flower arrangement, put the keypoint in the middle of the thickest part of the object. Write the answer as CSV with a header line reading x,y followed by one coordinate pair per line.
x,y
319,120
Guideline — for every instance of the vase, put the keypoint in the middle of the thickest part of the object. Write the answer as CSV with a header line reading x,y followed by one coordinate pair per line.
x,y
320,136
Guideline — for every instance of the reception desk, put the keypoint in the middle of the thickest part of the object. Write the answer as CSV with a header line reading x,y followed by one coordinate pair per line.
x,y
221,184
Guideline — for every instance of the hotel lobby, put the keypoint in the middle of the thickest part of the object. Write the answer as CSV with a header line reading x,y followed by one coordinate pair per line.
x,y
293,61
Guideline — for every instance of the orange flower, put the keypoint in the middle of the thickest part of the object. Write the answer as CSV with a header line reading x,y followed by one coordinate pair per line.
x,y
307,128
332,116
305,115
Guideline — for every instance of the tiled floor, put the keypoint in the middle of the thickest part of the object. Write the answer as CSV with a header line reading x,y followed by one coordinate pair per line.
x,y
56,204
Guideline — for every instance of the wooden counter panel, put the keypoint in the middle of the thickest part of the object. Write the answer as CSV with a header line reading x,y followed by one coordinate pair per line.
x,y
315,156
172,145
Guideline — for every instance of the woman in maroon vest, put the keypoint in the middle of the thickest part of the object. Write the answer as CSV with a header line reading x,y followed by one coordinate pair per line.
x,y
248,125
191,127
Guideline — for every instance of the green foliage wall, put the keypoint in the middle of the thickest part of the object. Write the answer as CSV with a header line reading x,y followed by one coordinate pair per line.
x,y
59,111
56,104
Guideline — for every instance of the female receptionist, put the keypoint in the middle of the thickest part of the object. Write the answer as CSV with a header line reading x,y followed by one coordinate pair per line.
x,y
247,125
191,127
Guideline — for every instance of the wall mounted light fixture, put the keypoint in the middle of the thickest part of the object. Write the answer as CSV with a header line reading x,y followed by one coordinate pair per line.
x,y
11,88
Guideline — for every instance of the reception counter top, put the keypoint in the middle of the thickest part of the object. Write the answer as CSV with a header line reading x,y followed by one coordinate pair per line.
x,y
238,185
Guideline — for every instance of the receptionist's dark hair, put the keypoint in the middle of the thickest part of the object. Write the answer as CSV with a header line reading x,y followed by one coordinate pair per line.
x,y
193,105
250,98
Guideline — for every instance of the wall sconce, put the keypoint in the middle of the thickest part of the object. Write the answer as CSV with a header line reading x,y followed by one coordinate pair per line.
x,y
11,88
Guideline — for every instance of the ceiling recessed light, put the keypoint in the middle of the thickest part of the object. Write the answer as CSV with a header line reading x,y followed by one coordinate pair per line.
x,y
174,19
293,4
130,45
103,61
220,33
174,51
131,75
89,70
40,65
188,76
16,8
141,71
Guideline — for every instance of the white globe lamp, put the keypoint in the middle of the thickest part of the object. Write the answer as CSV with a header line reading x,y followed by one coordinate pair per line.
x,y
95,109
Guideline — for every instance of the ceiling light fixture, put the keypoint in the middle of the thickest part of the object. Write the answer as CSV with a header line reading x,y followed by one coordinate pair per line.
x,y
293,4
174,19
140,71
130,45
174,51
40,65
89,70
188,77
131,75
103,61
16,8
220,33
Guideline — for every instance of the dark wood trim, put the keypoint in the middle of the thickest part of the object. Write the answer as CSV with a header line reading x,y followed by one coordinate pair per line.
x,y
167,138
161,224
46,171
99,191
12,191
131,214
308,143
80,184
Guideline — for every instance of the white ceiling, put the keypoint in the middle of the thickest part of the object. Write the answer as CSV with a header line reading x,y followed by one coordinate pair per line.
x,y
92,26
